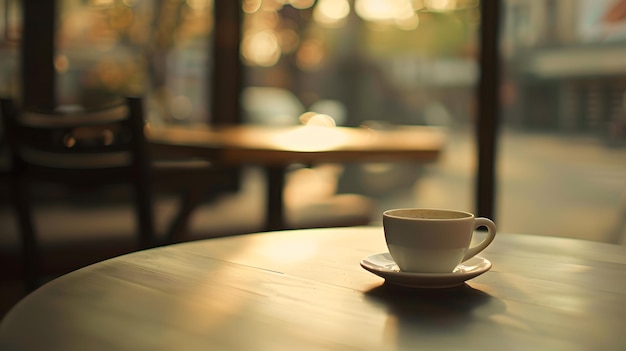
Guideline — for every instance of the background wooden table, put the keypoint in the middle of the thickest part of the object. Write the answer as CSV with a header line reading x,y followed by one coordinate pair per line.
x,y
305,290
277,148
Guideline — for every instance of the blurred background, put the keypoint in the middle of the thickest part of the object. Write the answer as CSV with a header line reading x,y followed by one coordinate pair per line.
x,y
561,160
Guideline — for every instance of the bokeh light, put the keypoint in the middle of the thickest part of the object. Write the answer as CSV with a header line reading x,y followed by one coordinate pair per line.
x,y
440,5
450,5
261,48
310,55
251,6
385,10
61,63
181,107
301,4
331,12
311,118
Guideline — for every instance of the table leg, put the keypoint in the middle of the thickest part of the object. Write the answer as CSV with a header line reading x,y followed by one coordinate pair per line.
x,y
275,211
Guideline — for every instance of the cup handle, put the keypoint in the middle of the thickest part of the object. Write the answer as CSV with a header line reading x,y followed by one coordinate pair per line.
x,y
491,234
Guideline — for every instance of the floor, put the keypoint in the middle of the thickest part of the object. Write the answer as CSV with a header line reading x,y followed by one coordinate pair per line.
x,y
562,186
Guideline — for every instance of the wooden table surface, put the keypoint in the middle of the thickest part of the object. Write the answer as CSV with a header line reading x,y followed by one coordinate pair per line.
x,y
300,144
277,148
305,290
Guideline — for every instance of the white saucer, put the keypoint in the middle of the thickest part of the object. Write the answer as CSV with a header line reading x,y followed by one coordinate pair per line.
x,y
383,266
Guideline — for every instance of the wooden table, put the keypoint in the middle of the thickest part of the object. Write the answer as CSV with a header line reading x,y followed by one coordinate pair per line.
x,y
277,148
305,290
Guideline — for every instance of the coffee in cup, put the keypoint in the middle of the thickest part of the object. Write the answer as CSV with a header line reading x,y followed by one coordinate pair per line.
x,y
433,240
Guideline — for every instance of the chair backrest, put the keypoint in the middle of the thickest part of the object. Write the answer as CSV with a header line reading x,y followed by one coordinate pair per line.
x,y
111,137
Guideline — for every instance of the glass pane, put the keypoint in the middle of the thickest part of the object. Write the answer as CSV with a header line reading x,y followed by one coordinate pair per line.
x,y
562,165
160,49
374,63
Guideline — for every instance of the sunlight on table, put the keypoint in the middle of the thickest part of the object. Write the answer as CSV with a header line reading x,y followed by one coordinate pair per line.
x,y
318,134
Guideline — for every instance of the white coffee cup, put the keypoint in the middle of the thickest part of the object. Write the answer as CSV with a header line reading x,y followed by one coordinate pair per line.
x,y
433,240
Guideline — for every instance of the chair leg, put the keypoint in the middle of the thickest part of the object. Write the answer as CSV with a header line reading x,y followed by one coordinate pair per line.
x,y
144,211
30,249
190,199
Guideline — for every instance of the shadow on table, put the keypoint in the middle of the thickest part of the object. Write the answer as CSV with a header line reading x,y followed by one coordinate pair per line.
x,y
422,315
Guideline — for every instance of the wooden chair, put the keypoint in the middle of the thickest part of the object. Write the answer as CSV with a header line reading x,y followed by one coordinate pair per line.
x,y
89,150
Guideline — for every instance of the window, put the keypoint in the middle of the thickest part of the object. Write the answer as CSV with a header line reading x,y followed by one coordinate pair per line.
x,y
107,48
562,168
377,64
381,63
